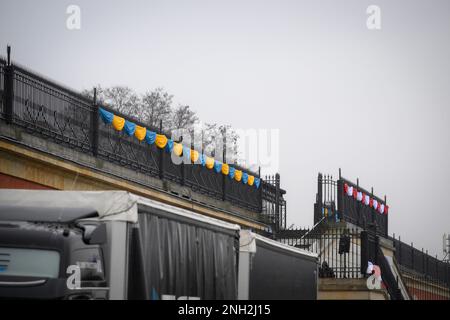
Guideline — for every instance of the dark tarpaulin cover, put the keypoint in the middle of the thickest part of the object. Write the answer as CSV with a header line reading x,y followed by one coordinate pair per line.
x,y
182,259
278,274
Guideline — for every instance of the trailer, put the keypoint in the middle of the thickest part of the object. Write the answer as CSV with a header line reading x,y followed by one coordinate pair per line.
x,y
270,270
112,245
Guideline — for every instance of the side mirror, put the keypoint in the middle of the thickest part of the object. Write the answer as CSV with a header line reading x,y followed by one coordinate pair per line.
x,y
98,236
94,233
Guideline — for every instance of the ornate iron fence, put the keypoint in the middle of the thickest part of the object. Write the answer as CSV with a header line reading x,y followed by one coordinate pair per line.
x,y
273,205
49,110
45,108
2,85
332,202
119,148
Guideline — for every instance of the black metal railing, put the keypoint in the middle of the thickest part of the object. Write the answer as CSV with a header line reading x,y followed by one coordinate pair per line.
x,y
331,201
333,205
43,107
273,203
339,249
49,110
343,252
420,264
2,85
422,287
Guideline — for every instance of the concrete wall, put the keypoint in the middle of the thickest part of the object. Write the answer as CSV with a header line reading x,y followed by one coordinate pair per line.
x,y
348,289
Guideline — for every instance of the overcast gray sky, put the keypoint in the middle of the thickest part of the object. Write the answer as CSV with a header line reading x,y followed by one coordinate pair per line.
x,y
373,102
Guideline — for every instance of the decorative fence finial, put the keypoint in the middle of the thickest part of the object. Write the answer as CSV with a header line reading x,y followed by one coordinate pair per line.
x,y
8,54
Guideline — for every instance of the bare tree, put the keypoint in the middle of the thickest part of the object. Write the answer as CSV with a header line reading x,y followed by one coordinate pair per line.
x,y
207,136
89,93
124,100
183,118
231,140
212,139
156,105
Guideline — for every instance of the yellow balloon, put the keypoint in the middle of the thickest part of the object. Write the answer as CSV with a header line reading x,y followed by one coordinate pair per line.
x,y
251,180
161,141
209,162
194,155
177,149
118,123
140,133
225,169
237,175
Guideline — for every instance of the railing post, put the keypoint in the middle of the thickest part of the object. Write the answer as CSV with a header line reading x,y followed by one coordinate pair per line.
x,y
340,198
359,207
161,156
95,125
372,215
364,251
224,157
260,193
183,166
423,262
9,89
437,267
183,173
319,190
385,217
319,201
377,247
277,199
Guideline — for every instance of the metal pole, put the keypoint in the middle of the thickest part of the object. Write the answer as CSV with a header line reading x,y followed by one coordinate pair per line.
x,y
277,199
9,88
161,156
260,194
95,125
224,156
340,198
8,55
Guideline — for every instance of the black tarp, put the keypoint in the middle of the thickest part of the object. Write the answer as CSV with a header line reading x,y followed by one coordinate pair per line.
x,y
279,274
181,257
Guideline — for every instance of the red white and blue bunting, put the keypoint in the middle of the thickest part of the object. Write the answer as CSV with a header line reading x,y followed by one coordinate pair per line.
x,y
365,199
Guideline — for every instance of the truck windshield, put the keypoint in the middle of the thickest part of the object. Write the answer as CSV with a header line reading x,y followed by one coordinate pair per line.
x,y
29,262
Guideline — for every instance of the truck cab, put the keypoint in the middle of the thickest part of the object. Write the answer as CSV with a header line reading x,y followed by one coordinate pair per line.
x,y
51,253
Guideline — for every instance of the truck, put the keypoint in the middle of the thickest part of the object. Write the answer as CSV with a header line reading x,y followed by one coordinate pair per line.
x,y
121,246
118,245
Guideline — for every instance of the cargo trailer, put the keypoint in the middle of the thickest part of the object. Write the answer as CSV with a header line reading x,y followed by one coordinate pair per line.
x,y
112,245
270,270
